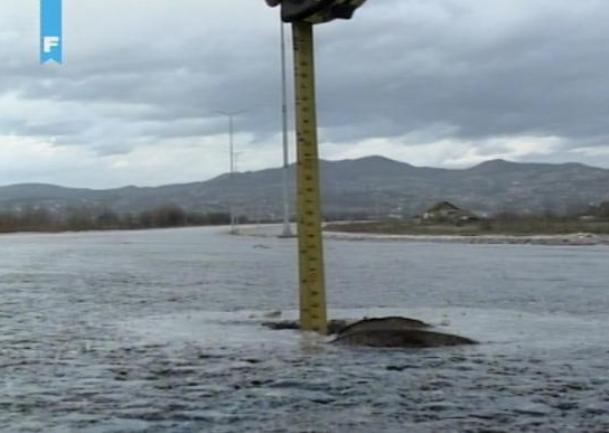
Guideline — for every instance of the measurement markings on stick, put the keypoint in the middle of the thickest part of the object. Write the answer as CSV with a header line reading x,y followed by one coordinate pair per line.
x,y
312,285
303,14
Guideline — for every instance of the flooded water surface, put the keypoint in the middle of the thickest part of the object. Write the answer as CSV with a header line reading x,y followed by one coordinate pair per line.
x,y
159,331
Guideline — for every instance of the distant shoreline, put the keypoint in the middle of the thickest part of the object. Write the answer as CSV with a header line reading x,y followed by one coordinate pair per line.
x,y
575,239
507,230
105,230
330,233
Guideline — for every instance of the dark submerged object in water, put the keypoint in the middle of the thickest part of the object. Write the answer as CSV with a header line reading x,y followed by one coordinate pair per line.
x,y
334,326
393,322
397,332
382,332
340,326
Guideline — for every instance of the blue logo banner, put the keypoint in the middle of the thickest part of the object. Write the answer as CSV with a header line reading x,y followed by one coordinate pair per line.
x,y
51,43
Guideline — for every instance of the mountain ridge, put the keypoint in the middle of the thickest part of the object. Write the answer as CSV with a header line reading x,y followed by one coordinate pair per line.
x,y
370,185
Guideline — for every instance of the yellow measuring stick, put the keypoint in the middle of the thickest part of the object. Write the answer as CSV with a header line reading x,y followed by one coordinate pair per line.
x,y
313,316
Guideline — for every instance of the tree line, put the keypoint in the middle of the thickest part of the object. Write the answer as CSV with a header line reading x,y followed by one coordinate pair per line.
x,y
43,220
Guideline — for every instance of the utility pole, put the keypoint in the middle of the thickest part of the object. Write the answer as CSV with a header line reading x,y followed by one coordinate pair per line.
x,y
287,230
230,115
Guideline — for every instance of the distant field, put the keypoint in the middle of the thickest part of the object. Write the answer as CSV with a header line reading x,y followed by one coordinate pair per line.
x,y
517,226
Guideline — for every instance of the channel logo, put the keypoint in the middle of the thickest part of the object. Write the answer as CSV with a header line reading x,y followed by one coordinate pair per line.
x,y
51,37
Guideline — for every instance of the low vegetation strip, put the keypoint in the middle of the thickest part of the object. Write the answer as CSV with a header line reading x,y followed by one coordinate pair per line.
x,y
42,220
508,226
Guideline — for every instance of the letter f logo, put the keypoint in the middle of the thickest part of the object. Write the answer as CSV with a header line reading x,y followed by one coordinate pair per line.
x,y
51,31
49,42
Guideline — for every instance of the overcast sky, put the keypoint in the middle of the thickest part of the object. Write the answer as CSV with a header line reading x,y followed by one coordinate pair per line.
x,y
445,83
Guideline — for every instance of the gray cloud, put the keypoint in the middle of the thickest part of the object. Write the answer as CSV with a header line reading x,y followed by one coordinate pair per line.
x,y
541,72
141,72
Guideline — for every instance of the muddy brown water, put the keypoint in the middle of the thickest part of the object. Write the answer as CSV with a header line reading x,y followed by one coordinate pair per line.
x,y
158,331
